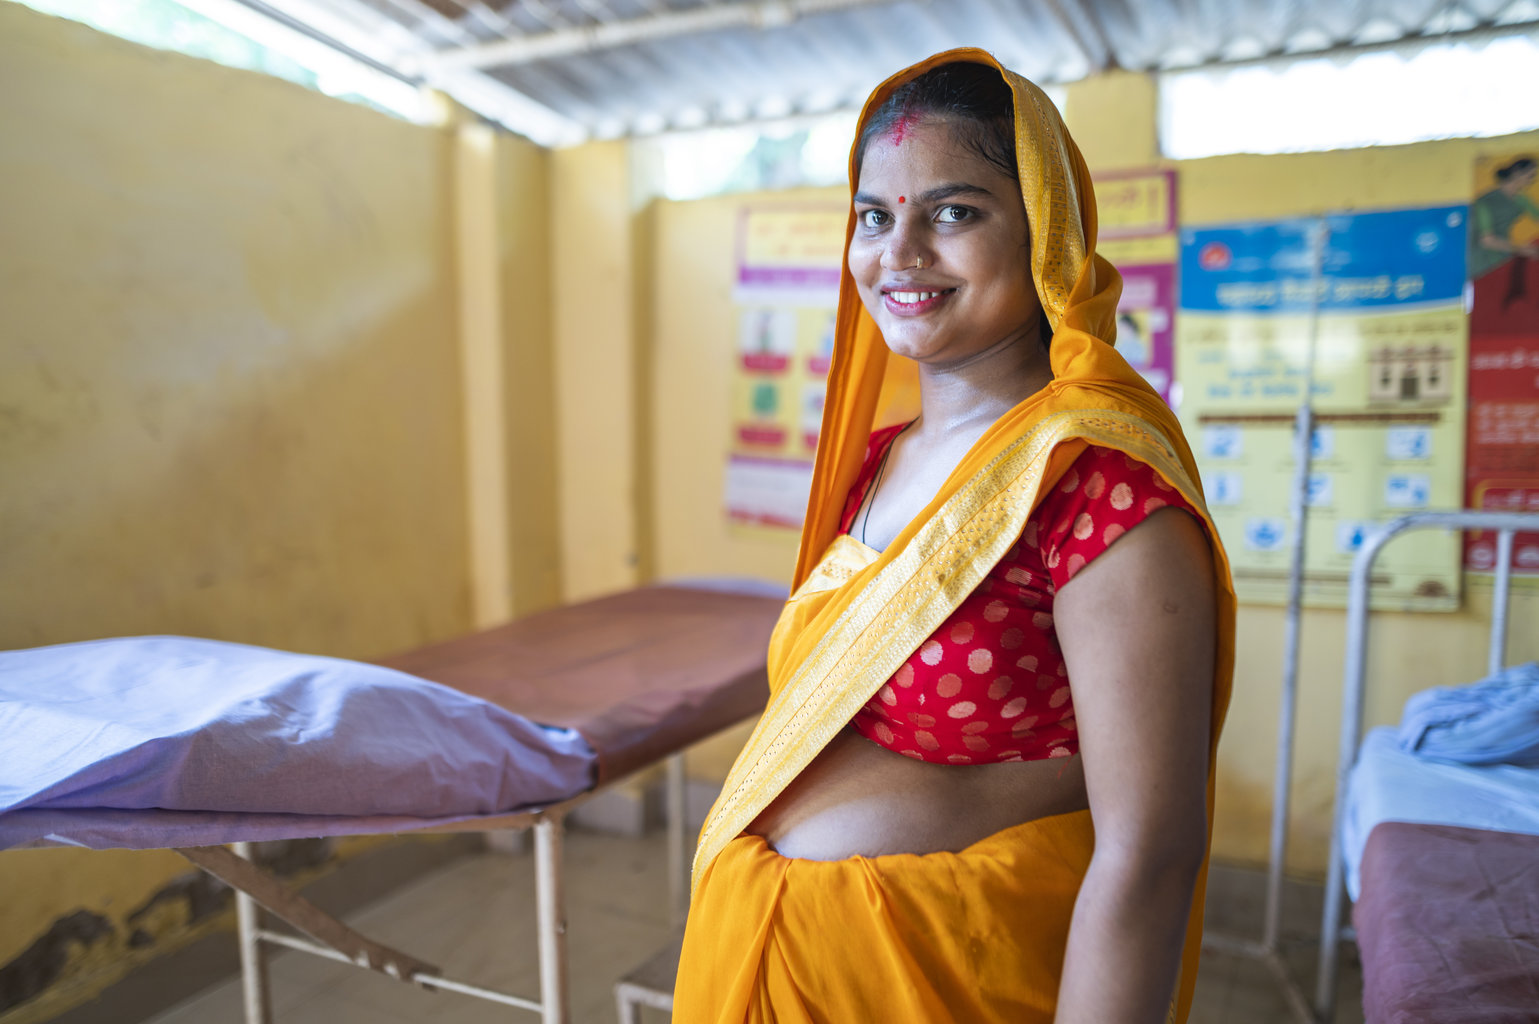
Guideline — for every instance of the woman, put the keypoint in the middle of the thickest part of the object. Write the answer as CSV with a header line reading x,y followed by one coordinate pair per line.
x,y
1492,218
1011,619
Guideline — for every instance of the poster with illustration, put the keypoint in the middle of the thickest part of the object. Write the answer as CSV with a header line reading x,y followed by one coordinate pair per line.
x,y
1137,233
1502,448
787,289
1388,383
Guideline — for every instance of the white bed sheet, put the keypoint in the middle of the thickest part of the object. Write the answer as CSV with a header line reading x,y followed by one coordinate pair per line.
x,y
147,742
1388,784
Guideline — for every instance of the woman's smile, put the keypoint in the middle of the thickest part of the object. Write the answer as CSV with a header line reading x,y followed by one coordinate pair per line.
x,y
911,300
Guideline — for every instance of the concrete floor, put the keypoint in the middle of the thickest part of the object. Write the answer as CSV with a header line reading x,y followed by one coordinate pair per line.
x,y
474,918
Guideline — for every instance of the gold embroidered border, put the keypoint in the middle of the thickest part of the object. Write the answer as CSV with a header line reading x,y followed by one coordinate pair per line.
x,y
905,602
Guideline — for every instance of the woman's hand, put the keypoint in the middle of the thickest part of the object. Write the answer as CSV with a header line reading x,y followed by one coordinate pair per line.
x,y
1137,627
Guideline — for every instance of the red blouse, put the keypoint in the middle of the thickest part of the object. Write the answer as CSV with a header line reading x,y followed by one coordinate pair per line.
x,y
990,684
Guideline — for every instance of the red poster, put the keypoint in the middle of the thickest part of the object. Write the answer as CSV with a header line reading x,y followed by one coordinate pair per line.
x,y
1502,446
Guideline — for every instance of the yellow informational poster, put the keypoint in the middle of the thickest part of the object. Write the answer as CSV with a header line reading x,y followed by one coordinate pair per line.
x,y
1389,372
789,261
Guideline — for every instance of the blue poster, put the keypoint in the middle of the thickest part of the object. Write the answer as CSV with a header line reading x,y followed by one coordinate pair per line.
x,y
1381,260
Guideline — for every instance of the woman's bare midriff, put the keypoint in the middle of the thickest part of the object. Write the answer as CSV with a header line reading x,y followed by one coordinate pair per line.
x,y
857,798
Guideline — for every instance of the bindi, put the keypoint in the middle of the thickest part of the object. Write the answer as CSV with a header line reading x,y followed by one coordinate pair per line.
x,y
903,199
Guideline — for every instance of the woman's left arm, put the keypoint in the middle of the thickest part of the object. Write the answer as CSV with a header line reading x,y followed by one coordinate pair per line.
x,y
1137,627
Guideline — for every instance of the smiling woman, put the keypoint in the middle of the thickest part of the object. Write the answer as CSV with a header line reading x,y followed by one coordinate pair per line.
x,y
980,791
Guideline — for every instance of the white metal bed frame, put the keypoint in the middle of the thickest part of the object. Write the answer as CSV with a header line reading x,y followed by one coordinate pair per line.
x,y
255,890
1507,525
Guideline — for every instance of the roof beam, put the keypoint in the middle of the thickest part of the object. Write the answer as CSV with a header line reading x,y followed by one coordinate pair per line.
x,y
760,14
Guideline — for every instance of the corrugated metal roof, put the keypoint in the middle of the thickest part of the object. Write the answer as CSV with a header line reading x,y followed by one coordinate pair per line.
x,y
561,71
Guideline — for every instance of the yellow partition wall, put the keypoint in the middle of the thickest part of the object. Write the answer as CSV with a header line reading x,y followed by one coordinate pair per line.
x,y
231,394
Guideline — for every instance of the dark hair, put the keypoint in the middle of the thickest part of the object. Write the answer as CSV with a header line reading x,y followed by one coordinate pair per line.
x,y
973,96
1521,165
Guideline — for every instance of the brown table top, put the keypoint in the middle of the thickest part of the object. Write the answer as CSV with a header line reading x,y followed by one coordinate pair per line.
x,y
641,674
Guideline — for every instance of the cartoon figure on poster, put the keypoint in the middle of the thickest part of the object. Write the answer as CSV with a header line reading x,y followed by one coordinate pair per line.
x,y
1504,248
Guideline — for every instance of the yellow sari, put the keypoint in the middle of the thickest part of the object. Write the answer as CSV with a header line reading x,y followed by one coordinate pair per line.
x,y
978,935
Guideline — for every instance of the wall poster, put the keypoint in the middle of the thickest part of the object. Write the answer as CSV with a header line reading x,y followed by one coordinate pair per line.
x,y
788,266
1389,394
1137,233
1502,447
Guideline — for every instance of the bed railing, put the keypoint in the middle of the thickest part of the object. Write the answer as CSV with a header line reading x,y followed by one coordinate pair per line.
x,y
1507,525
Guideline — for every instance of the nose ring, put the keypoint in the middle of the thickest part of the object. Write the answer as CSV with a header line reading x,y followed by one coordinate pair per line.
x,y
918,262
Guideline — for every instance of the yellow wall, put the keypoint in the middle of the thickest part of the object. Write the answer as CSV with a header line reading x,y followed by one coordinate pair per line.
x,y
229,374
524,223
595,368
693,333
230,394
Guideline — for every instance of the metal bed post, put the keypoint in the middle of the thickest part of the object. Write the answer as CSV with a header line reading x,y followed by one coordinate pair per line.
x,y
1303,455
678,842
1507,524
1268,949
555,1001
1496,658
253,959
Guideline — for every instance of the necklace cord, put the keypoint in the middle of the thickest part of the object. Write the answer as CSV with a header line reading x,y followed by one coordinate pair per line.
x,y
876,481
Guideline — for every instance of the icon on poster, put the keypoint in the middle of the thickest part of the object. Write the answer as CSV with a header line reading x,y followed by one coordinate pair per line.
x,y
1223,441
1322,443
766,339
1225,488
812,413
1407,490
823,355
1321,490
1350,536
1408,443
1265,534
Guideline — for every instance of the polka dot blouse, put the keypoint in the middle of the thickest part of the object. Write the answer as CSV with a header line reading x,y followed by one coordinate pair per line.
x,y
990,684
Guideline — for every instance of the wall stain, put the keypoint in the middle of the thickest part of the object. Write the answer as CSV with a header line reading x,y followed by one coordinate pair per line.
x,y
82,943
41,963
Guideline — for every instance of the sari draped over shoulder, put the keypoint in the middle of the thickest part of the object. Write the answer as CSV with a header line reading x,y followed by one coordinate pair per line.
x,y
977,935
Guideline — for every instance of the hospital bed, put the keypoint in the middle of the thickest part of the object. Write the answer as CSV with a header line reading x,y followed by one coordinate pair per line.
x,y
619,685
1440,860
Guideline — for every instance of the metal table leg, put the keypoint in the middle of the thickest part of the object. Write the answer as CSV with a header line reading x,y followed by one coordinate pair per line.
x,y
253,959
554,997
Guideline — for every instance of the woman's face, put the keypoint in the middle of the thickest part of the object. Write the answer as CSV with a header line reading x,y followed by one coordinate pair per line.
x,y
940,254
